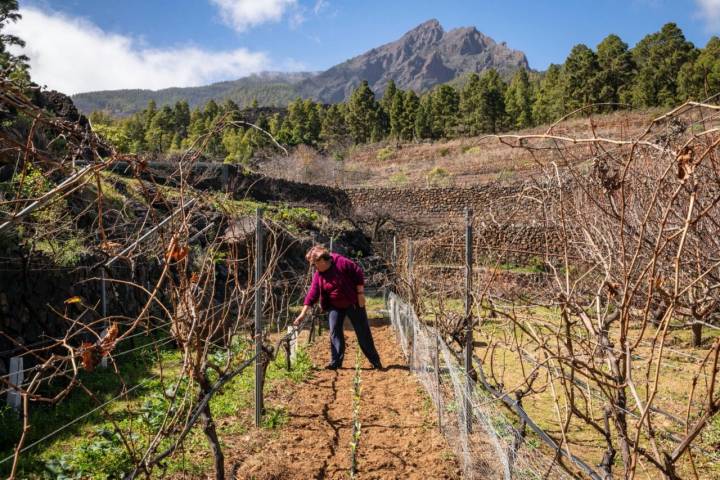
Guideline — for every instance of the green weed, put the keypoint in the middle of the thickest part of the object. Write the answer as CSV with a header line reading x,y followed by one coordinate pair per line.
x,y
398,179
385,153
438,177
101,456
275,418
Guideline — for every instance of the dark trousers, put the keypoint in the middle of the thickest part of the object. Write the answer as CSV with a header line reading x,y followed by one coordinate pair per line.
x,y
359,320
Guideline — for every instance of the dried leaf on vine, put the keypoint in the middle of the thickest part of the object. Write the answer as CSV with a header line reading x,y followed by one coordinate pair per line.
x,y
72,300
613,288
107,343
108,247
90,356
686,163
177,253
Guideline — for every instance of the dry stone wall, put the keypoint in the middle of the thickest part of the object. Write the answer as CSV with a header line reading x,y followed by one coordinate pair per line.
x,y
507,220
418,203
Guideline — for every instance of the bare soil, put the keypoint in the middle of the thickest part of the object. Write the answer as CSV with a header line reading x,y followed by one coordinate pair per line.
x,y
399,436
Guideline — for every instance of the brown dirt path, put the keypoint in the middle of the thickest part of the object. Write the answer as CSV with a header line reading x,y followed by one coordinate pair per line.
x,y
399,436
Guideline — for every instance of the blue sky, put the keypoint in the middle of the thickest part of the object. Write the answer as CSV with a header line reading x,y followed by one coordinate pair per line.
x,y
160,43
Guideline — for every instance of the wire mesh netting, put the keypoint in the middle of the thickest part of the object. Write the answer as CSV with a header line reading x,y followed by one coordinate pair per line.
x,y
486,442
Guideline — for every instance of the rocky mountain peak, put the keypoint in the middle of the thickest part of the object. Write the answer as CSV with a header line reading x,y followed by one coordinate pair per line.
x,y
422,58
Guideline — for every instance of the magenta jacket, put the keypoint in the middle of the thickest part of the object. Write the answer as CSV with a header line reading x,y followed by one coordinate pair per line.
x,y
337,286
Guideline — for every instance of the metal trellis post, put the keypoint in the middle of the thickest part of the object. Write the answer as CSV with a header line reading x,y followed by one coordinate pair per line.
x,y
258,317
394,252
468,315
437,378
410,339
103,294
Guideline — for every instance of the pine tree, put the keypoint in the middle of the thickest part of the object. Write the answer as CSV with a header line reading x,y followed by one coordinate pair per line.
x,y
15,64
549,102
389,97
423,119
213,142
491,92
580,78
363,114
160,134
397,116
519,100
296,121
312,112
181,114
275,124
470,123
176,143
149,113
115,134
410,109
617,71
445,110
231,110
238,146
659,58
134,129
196,129
211,110
700,79
334,131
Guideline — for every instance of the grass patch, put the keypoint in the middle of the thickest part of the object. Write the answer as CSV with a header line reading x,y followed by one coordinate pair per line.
x,y
438,177
66,253
510,368
472,150
398,179
374,305
293,218
75,451
92,448
275,418
385,153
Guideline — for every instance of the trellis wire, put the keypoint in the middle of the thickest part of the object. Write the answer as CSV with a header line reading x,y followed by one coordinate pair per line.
x,y
447,384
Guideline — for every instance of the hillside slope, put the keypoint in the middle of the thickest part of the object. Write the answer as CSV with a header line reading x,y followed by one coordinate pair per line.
x,y
268,88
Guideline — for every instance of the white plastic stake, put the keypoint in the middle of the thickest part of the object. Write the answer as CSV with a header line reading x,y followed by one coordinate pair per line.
x,y
293,342
103,360
17,376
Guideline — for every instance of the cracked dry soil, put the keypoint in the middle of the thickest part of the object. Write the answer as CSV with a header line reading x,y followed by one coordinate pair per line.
x,y
399,436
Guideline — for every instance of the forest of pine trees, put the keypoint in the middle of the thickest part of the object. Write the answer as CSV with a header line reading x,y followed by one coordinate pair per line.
x,y
662,70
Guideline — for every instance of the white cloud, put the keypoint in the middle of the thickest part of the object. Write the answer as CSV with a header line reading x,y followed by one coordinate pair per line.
x,y
320,5
73,55
243,14
710,13
297,19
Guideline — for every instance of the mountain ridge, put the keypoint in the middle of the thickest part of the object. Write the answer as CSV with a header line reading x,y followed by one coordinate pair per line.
x,y
423,57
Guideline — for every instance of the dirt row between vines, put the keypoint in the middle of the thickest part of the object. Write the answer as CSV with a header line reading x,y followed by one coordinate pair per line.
x,y
399,436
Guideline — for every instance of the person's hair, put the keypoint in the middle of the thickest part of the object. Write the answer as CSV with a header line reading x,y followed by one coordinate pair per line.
x,y
317,252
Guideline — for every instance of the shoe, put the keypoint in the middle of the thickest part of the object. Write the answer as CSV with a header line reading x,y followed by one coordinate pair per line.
x,y
378,366
331,366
